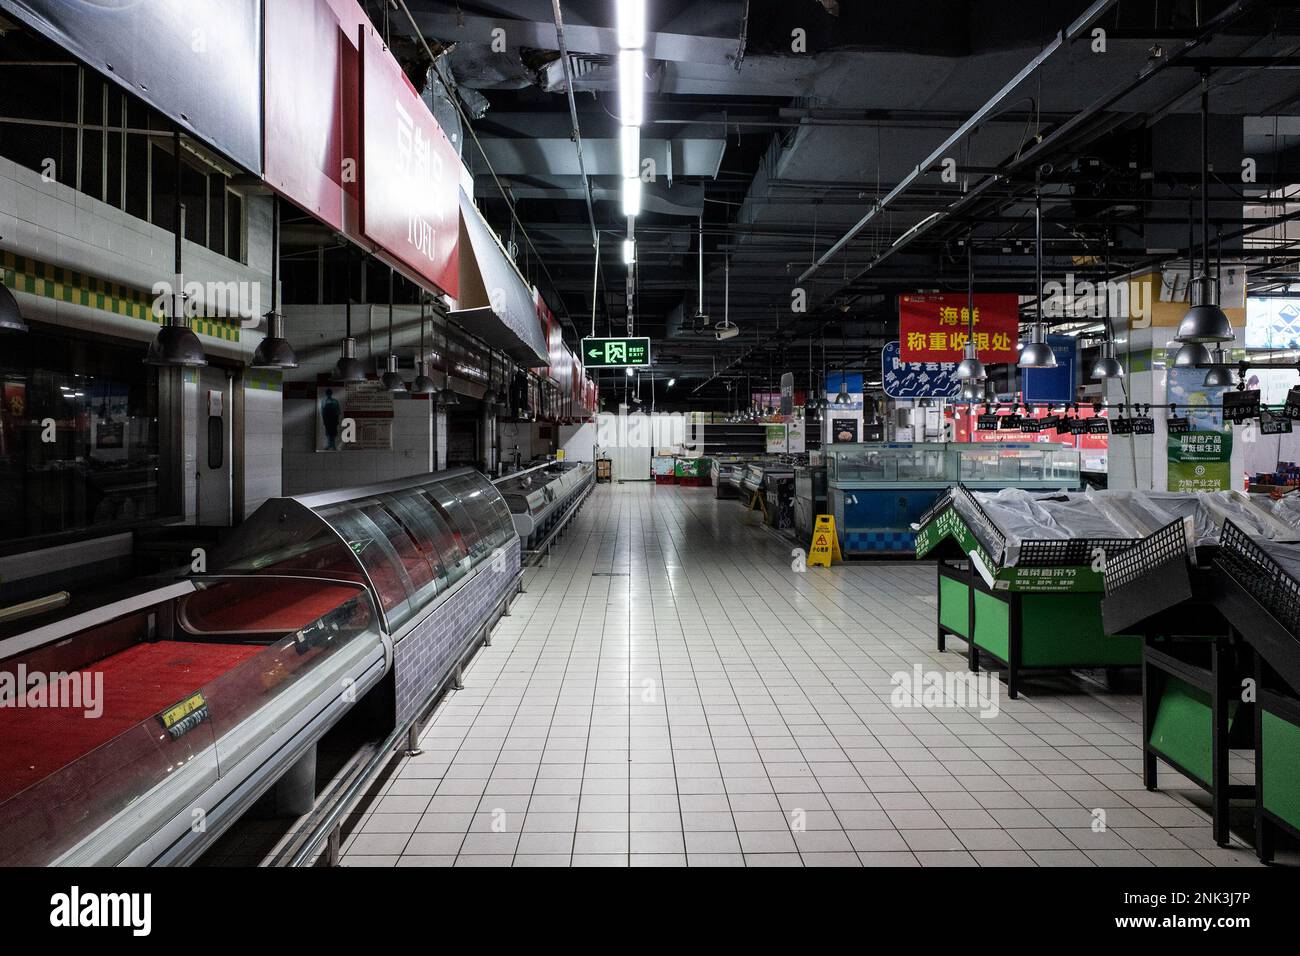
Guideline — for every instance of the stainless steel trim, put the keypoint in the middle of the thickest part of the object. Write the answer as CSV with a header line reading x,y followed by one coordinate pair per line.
x,y
92,618
322,498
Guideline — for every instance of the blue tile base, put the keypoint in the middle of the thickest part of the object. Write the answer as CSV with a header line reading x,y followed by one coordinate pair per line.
x,y
862,542
425,656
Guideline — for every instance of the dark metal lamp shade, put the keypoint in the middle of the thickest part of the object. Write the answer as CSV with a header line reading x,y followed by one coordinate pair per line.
x,y
971,368
1036,352
176,345
274,351
11,319
392,378
423,384
1107,366
1220,374
1205,321
1192,354
347,368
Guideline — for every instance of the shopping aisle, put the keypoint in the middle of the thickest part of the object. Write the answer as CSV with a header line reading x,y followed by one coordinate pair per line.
x,y
670,691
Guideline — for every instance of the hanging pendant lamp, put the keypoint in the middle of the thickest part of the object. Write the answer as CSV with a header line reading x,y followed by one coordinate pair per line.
x,y
176,344
391,378
1220,373
1036,353
970,368
274,351
423,384
843,398
1205,321
1107,365
1192,354
447,397
347,368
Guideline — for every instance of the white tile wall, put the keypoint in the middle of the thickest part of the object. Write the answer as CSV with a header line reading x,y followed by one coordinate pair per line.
x,y
316,332
54,223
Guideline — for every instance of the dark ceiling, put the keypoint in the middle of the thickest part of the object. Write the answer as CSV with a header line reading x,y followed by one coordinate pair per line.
x,y
779,154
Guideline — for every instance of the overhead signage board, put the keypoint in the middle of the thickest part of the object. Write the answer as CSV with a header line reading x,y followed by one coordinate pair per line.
x,y
933,328
615,353
917,379
199,63
1055,384
311,112
410,173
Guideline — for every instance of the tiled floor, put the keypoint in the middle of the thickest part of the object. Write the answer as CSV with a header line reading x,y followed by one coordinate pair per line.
x,y
669,691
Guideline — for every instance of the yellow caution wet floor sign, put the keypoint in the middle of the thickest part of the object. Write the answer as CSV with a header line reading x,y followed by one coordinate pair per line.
x,y
825,543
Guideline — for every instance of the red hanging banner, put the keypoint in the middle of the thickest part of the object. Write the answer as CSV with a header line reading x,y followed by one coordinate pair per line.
x,y
410,173
933,328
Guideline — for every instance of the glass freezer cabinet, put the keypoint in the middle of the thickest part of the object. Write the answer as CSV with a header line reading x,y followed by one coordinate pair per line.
x,y
878,490
210,687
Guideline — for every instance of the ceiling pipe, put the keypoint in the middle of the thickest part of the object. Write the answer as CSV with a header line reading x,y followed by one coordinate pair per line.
x,y
1054,138
1062,37
573,118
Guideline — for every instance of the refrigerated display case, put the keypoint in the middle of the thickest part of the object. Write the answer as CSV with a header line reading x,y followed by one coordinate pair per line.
x,y
878,491
541,498
208,689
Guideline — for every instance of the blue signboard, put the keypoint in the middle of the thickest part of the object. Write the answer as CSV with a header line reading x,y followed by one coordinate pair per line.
x,y
1054,384
917,379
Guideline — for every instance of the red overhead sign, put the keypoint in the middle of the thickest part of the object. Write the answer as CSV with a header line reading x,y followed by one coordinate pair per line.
x,y
933,328
312,141
410,173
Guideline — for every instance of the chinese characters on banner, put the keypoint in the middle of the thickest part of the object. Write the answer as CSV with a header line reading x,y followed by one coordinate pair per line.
x,y
1199,459
410,173
919,379
933,328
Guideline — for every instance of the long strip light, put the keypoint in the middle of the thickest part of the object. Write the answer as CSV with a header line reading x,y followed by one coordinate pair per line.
x,y
632,196
630,149
631,24
631,108
631,87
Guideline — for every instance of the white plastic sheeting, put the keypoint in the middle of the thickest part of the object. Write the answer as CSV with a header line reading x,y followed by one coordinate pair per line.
x,y
1028,516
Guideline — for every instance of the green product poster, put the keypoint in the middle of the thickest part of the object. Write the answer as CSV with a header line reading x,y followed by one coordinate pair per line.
x,y
1200,461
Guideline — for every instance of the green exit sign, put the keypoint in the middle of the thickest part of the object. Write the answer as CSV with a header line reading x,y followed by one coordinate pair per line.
x,y
615,353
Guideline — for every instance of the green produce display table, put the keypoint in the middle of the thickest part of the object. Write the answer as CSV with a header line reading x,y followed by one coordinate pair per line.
x,y
1277,770
1043,613
1198,698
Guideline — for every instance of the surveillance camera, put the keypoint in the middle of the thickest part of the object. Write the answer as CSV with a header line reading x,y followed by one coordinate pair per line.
x,y
724,332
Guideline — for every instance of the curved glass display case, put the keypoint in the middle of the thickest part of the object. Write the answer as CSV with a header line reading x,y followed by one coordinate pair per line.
x,y
409,541
197,692
539,498
164,703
